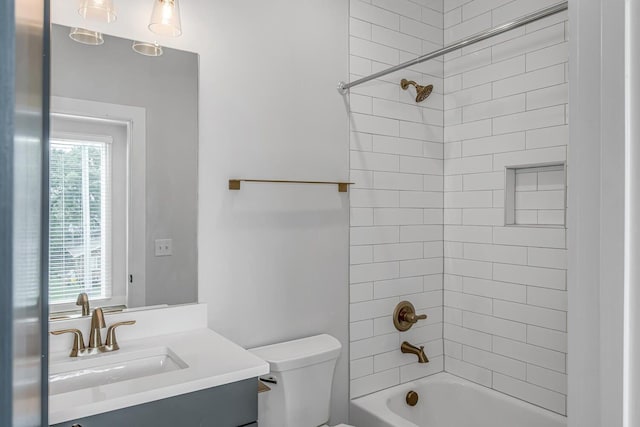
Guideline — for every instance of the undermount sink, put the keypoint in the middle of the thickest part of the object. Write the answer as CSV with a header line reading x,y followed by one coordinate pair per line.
x,y
108,368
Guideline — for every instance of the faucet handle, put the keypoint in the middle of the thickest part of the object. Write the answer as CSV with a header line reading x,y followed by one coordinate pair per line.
x,y
112,344
83,300
78,340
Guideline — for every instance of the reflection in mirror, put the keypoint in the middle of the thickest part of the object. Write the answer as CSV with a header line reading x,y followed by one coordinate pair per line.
x,y
123,175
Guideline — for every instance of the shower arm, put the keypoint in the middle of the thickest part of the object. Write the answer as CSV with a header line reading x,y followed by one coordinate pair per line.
x,y
344,87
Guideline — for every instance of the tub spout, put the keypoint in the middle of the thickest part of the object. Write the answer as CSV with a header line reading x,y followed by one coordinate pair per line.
x,y
412,349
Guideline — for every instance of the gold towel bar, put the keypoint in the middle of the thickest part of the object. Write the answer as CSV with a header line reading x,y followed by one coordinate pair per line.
x,y
234,184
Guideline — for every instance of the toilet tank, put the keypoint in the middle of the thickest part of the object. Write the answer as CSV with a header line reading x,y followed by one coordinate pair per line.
x,y
303,370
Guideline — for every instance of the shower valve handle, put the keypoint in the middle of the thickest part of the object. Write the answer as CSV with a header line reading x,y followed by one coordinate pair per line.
x,y
412,317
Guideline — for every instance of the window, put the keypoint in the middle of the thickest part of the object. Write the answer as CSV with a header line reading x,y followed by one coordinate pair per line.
x,y
80,220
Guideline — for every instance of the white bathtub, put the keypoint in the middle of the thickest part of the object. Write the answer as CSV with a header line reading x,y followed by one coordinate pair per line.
x,y
448,401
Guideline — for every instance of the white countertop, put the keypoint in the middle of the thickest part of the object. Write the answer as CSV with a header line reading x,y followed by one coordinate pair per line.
x,y
212,361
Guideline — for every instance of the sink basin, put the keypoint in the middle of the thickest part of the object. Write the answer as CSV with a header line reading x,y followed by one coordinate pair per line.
x,y
108,368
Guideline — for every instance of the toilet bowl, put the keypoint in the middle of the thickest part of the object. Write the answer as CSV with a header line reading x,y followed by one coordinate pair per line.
x,y
300,379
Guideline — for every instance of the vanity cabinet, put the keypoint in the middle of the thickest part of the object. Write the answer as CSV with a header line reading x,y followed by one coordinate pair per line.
x,y
230,405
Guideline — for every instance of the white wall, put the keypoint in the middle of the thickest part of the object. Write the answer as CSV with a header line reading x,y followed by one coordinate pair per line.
x,y
272,259
396,204
505,287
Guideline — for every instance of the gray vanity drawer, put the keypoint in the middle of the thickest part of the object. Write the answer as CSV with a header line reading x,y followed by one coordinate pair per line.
x,y
231,405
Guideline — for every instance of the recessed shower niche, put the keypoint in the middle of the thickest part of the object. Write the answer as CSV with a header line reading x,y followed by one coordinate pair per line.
x,y
536,195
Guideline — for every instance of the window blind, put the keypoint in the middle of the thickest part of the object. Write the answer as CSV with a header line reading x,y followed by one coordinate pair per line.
x,y
80,223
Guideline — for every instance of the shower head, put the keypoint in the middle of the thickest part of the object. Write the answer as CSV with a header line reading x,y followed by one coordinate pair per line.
x,y
422,92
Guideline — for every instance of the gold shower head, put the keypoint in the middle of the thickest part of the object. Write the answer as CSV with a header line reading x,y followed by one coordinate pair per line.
x,y
422,92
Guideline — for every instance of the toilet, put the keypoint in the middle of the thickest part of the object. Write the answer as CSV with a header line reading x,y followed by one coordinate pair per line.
x,y
300,382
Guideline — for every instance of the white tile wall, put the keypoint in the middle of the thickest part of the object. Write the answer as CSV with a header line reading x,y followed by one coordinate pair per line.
x,y
396,204
427,210
505,287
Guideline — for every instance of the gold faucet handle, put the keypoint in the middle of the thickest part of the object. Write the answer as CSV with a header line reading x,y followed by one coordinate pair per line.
x,y
78,340
112,344
413,318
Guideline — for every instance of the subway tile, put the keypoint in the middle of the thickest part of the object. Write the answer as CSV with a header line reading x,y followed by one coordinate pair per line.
x,y
460,98
395,145
495,71
468,199
452,17
420,233
452,216
397,216
420,267
551,258
470,268
376,271
360,292
369,13
361,217
548,399
453,349
496,253
467,28
396,39
421,165
494,362
468,371
471,303
362,198
518,8
453,117
468,165
530,42
494,326
360,330
529,81
372,383
468,233
360,104
401,7
360,29
547,338
538,316
433,216
535,276
374,161
359,66
360,141
421,334
426,300
454,249
420,30
370,310
493,289
467,336
483,216
421,199
467,131
361,255
548,298
398,251
494,144
396,287
530,236
483,181
529,353
454,84
374,235
383,325
546,57
419,370
452,150
453,316
544,117
400,111
453,183
432,18
361,367
377,88
432,249
497,107
547,137
453,283
420,131
547,97
433,183
375,51
478,7
397,181
361,178
546,378
433,282
540,200
391,359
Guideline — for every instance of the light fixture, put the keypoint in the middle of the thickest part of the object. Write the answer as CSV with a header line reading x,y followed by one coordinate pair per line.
x,y
84,36
98,10
147,49
165,18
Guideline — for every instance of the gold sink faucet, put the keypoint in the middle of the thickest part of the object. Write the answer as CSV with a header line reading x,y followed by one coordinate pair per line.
x,y
95,338
83,300
412,349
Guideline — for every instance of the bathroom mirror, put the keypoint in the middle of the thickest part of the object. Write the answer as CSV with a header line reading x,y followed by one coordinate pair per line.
x,y
123,173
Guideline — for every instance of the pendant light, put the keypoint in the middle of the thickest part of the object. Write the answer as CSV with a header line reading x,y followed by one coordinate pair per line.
x,y
84,36
165,18
98,10
147,49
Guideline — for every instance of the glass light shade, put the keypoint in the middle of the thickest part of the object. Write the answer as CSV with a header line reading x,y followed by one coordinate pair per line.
x,y
84,36
147,49
98,10
165,18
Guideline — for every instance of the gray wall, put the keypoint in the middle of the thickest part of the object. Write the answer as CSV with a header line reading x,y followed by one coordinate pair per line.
x,y
167,86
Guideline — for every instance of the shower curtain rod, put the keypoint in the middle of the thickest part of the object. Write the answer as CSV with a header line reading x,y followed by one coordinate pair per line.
x,y
344,87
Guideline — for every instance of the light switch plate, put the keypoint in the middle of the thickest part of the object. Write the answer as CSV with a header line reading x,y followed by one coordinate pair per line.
x,y
164,247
